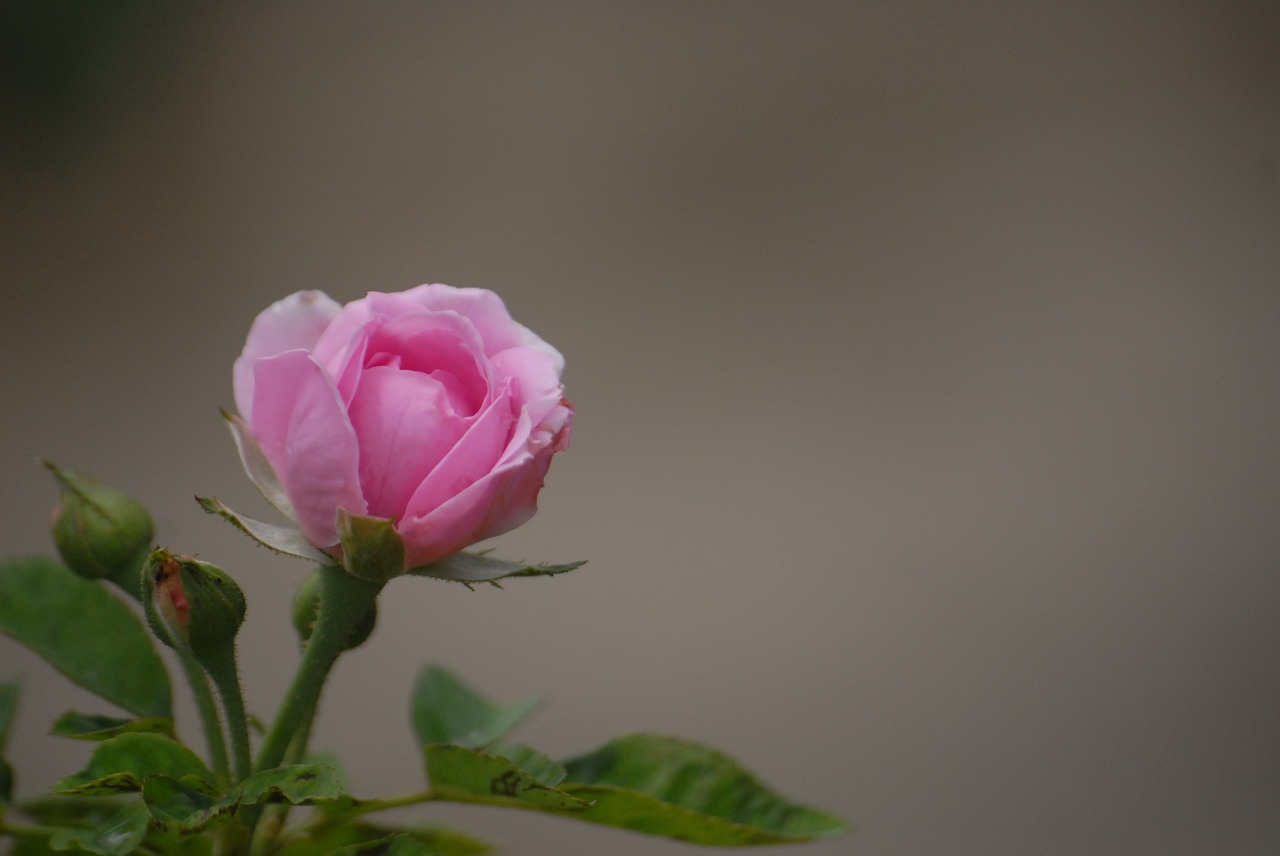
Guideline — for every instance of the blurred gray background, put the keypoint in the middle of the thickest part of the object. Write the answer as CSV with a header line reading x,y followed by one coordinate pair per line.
x,y
924,354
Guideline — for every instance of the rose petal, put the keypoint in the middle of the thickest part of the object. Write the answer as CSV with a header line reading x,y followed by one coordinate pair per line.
x,y
405,424
443,345
489,315
474,455
296,322
303,429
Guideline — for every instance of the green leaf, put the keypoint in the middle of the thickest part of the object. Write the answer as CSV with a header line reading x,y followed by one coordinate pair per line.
x,y
121,764
459,774
119,835
470,568
679,789
531,761
92,726
85,633
8,707
397,844
285,540
445,710
183,806
331,839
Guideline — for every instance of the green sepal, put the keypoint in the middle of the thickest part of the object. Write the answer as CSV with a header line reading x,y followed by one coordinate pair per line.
x,y
181,806
92,726
121,763
446,710
120,834
8,707
372,549
286,540
256,465
680,789
471,568
84,632
458,774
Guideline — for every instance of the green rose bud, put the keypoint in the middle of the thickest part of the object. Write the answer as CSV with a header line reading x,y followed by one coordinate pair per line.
x,y
306,608
192,606
100,532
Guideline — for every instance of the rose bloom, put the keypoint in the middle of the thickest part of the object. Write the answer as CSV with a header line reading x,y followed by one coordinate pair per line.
x,y
430,407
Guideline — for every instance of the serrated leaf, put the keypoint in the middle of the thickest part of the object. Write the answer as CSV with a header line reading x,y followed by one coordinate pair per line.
x,y
183,806
8,707
468,568
180,806
680,789
459,774
282,539
92,726
85,633
121,834
533,762
121,764
446,710
396,844
299,784
331,839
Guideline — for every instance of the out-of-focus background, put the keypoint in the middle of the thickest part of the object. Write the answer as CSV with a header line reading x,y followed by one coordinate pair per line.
x,y
925,358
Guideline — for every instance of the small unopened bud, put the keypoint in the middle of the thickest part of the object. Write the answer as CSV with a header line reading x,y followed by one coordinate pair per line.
x,y
191,605
306,607
100,532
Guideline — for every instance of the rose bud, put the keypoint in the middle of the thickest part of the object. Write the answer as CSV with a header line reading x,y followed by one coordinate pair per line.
x,y
191,606
306,607
430,411
100,532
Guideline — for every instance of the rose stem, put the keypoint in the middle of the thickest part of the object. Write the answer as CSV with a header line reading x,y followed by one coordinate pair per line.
x,y
221,666
208,711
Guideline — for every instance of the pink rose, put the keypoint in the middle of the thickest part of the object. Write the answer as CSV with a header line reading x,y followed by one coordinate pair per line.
x,y
431,407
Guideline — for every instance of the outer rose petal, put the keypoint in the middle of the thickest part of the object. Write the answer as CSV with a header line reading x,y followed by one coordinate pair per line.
x,y
497,503
296,322
304,432
489,314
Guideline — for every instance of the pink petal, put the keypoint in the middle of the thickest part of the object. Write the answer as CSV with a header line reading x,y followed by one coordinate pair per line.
x,y
496,503
474,455
405,424
489,315
296,322
302,426
443,345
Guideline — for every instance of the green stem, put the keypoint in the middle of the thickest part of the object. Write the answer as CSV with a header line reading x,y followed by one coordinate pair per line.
x,y
208,711
344,601
222,668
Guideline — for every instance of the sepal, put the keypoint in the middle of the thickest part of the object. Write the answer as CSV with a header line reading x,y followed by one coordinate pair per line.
x,y
282,539
469,568
257,467
371,548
